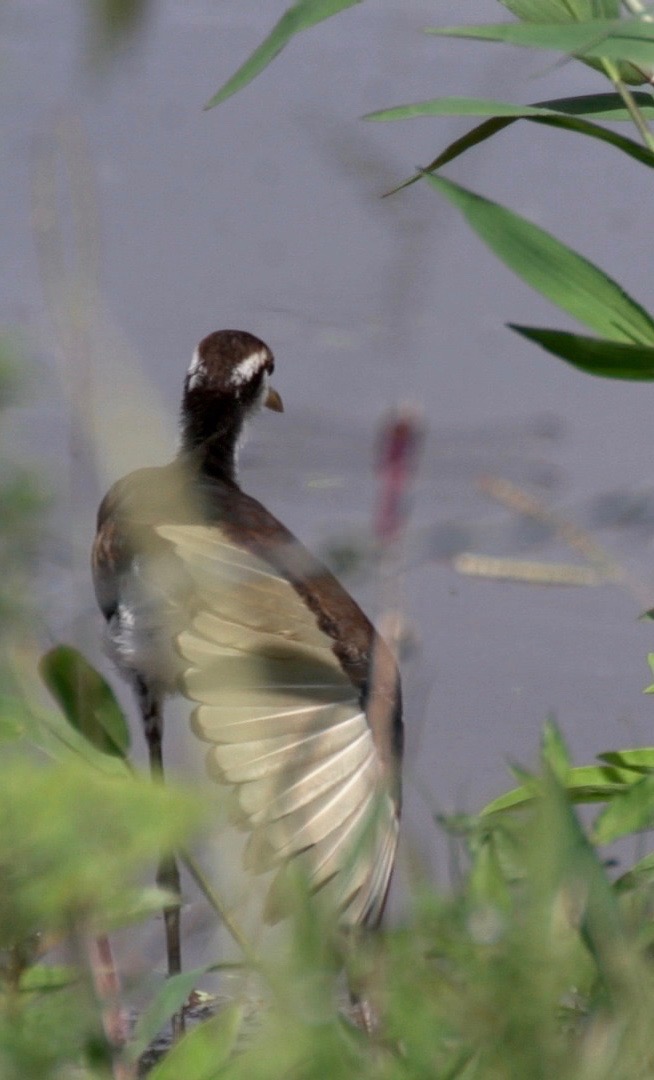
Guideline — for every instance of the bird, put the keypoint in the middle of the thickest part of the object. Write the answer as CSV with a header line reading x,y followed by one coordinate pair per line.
x,y
206,594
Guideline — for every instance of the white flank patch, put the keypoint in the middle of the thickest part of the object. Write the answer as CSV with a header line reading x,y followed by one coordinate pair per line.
x,y
195,371
247,368
126,616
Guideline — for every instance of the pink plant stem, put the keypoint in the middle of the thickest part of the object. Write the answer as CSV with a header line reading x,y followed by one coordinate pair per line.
x,y
399,444
115,1020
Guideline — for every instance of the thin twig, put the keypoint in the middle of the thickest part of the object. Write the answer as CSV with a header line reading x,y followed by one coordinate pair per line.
x,y
578,539
115,1019
526,570
630,104
219,907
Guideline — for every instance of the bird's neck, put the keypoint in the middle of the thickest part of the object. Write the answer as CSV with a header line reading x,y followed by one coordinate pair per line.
x,y
212,443
214,456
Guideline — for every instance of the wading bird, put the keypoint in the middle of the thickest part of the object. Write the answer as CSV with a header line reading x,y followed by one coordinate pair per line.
x,y
206,594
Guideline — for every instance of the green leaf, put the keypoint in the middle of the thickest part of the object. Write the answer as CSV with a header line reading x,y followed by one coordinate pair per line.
x,y
75,843
640,873
592,41
600,106
523,775
86,699
301,16
568,118
584,784
553,269
570,108
608,39
116,20
640,760
41,978
169,998
487,881
607,359
572,861
516,797
539,11
204,1051
554,751
52,734
12,719
631,811
593,783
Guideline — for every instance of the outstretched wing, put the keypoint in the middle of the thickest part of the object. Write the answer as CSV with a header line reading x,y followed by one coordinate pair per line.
x,y
286,727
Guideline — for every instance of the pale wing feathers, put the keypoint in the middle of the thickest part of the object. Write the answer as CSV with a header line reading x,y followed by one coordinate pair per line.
x,y
275,795
278,835
236,723
286,728
242,761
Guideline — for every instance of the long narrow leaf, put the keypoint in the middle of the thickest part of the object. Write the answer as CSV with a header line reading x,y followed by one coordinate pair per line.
x,y
641,760
539,11
301,16
608,39
607,359
554,752
640,873
600,106
584,784
632,811
509,800
553,269
507,114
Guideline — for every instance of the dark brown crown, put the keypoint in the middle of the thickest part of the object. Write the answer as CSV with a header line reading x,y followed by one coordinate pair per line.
x,y
226,380
231,363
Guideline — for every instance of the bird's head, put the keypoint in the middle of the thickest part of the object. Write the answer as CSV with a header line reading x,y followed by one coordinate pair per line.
x,y
226,383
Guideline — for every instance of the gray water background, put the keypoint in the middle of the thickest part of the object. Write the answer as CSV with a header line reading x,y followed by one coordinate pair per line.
x,y
265,214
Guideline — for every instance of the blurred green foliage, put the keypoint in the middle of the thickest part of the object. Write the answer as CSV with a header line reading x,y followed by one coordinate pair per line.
x,y
22,502
113,22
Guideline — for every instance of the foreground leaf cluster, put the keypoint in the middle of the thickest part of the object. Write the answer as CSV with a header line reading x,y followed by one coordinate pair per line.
x,y
538,964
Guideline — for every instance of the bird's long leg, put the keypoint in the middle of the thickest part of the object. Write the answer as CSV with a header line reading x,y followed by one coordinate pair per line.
x,y
167,871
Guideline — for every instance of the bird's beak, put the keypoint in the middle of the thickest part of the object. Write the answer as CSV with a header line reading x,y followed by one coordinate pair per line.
x,y
273,400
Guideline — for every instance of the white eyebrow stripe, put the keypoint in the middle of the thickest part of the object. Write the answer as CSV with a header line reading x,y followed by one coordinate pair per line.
x,y
249,367
195,371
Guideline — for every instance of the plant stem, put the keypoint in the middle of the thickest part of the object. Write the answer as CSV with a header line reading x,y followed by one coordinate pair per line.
x,y
217,904
633,110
